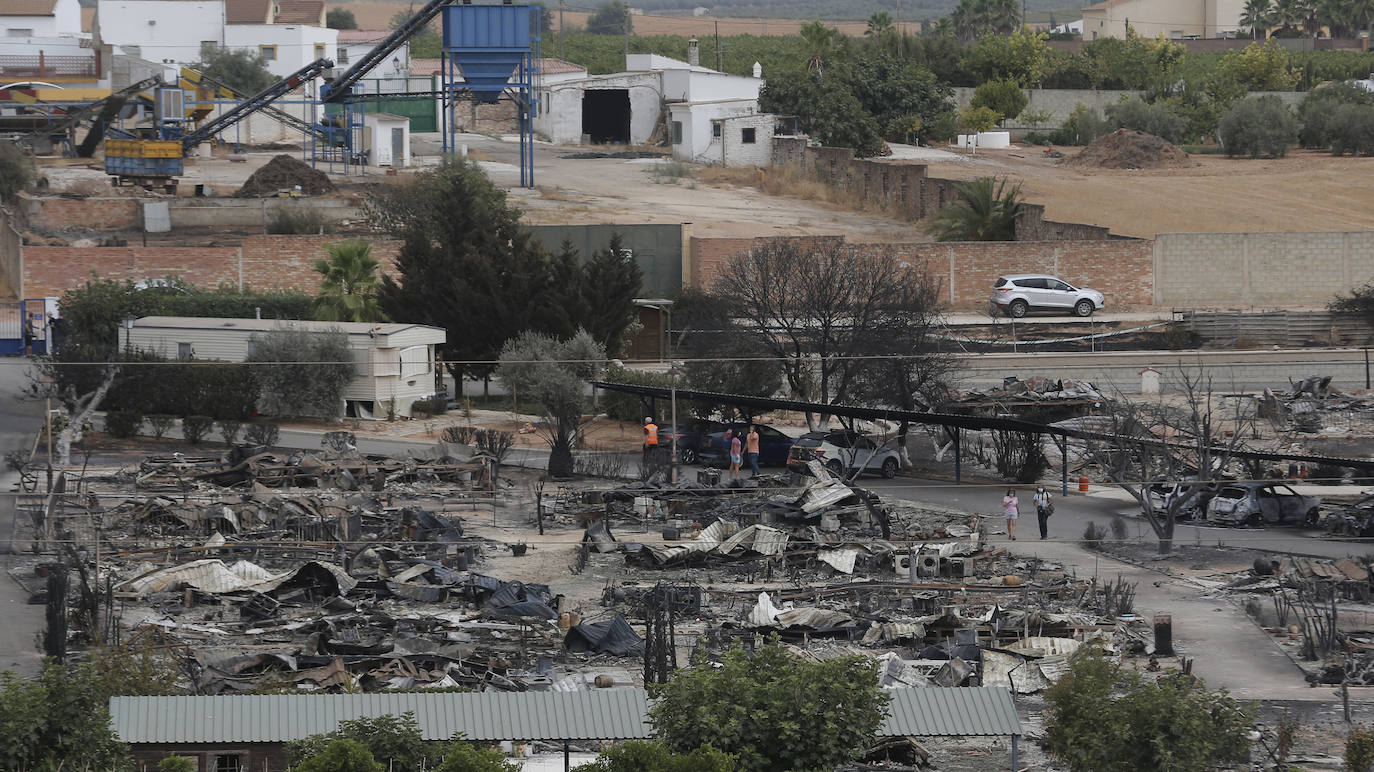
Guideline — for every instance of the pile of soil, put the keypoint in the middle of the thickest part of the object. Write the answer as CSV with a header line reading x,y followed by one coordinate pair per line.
x,y
285,172
1130,149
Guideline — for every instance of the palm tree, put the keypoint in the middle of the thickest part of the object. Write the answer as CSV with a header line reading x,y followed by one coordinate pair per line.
x,y
820,41
349,284
879,25
1289,13
986,211
1257,15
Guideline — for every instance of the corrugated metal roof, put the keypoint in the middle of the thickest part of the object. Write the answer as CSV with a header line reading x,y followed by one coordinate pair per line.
x,y
955,712
611,714
266,325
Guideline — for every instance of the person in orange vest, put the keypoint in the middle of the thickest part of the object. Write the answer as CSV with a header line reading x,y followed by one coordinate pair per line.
x,y
650,441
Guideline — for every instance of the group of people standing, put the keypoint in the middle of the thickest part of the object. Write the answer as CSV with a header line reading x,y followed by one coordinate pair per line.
x,y
1044,507
748,450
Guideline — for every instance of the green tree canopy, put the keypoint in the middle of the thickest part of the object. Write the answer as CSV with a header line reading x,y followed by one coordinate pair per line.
x,y
1258,126
771,710
1003,97
1020,57
341,755
462,756
612,18
1103,718
340,18
16,170
301,373
241,69
642,756
393,741
348,284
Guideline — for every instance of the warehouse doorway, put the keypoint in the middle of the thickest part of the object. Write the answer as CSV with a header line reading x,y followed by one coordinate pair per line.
x,y
606,116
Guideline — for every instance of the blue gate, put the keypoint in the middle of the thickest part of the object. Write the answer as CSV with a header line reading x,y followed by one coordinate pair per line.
x,y
23,327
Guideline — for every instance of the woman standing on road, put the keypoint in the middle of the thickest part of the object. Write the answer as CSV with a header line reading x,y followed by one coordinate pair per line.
x,y
1011,507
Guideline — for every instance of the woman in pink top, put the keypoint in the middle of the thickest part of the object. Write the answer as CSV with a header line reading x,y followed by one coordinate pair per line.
x,y
735,458
1011,507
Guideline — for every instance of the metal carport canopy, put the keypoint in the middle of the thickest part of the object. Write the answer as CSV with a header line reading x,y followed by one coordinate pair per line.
x,y
948,420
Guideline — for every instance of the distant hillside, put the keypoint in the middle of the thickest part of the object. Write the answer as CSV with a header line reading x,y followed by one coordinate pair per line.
x,y
833,9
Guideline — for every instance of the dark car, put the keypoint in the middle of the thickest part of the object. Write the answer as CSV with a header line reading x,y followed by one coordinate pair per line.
x,y
773,446
691,435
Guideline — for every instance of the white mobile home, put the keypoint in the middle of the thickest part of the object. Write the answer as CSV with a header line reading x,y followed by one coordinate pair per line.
x,y
395,362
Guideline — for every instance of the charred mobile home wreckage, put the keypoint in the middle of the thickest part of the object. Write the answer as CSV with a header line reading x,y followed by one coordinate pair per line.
x,y
339,571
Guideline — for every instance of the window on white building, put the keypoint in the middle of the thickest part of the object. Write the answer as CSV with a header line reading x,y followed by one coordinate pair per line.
x,y
268,52
343,55
715,129
677,132
414,361
20,32
747,136
319,50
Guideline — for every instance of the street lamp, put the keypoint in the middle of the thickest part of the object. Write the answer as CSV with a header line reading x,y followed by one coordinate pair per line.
x,y
128,333
673,371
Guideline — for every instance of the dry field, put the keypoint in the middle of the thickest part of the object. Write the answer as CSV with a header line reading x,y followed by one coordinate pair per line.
x,y
1307,191
376,14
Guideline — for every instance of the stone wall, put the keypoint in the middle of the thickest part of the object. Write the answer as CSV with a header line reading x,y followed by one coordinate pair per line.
x,y
1121,268
113,213
1221,270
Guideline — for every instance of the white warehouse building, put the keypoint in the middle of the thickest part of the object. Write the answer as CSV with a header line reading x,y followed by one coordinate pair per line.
x,y
395,363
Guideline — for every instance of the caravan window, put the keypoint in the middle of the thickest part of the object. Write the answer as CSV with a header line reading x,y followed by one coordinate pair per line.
x,y
415,361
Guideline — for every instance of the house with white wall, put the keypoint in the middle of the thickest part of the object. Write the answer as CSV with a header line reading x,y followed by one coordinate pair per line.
x,y
354,44
40,19
164,31
394,364
1174,19
628,107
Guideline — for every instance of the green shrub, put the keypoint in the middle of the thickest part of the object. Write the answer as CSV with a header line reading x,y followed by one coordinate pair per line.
x,y
195,427
1257,126
435,405
298,220
1158,119
1351,130
1359,750
16,170
300,373
1082,127
123,423
160,423
229,430
176,764
627,407
262,433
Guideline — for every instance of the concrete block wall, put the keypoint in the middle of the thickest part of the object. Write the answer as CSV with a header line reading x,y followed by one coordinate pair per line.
x,y
109,213
55,213
1220,270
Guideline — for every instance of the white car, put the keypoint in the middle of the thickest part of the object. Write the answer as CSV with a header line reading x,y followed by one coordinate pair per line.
x,y
1018,294
841,451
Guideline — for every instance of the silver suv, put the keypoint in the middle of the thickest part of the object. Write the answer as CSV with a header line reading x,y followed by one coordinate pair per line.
x,y
1017,294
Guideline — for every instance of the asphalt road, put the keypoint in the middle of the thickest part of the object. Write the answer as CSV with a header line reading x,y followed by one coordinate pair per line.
x,y
19,419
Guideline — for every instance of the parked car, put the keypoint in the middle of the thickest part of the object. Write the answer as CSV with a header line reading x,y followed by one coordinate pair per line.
x,y
773,446
842,451
1258,503
691,435
1160,494
1018,294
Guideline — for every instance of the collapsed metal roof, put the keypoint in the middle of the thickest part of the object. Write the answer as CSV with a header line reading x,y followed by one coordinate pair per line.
x,y
610,714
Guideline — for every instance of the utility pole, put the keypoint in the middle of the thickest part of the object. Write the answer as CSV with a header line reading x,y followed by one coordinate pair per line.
x,y
718,56
562,53
627,31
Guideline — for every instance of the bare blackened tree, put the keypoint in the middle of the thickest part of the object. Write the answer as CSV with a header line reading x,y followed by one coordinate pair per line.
x,y
835,316
1185,445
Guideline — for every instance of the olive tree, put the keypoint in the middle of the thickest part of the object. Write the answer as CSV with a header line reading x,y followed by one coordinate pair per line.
x,y
312,372
553,373
1260,125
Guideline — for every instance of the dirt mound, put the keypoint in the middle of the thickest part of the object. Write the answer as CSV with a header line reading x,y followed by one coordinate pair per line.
x,y
1130,149
285,172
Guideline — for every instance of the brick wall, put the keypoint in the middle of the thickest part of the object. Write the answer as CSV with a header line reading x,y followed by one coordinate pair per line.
x,y
108,214
262,262
1123,269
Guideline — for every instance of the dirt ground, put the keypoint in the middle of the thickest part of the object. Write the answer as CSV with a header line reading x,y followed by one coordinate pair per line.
x,y
1307,191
